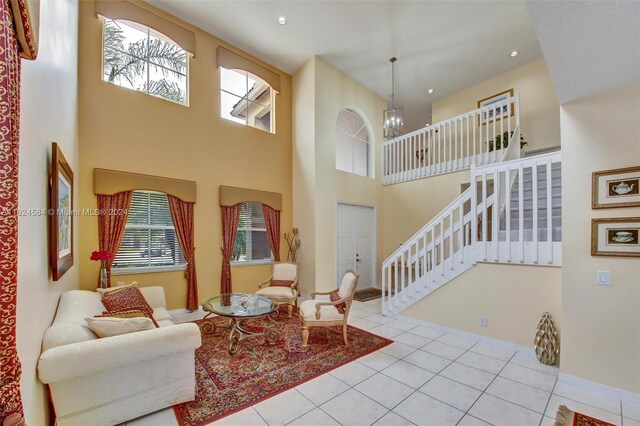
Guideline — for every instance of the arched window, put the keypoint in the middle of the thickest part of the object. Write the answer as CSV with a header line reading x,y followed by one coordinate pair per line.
x,y
246,98
353,143
140,58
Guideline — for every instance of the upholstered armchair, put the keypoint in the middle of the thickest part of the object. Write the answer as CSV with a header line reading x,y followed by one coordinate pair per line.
x,y
332,312
282,286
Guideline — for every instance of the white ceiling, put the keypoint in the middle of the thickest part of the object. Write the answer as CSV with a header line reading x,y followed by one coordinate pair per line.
x,y
445,45
589,46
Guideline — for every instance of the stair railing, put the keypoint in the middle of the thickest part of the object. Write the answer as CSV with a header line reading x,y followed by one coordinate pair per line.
x,y
486,223
453,144
435,254
505,233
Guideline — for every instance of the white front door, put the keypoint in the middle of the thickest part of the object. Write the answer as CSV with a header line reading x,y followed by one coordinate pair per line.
x,y
356,243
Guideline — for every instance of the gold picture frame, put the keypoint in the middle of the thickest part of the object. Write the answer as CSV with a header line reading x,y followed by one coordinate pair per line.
x,y
60,214
491,100
618,236
616,188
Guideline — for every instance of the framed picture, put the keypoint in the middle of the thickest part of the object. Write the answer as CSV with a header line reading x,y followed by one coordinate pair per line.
x,y
615,237
60,214
616,188
505,111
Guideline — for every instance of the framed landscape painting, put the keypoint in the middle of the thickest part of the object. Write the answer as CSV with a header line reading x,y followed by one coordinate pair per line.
x,y
616,188
615,237
60,214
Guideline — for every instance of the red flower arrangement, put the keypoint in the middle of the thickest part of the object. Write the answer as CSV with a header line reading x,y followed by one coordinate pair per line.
x,y
102,256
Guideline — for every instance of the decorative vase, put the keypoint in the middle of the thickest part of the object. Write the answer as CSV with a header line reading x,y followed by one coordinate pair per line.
x,y
103,274
547,342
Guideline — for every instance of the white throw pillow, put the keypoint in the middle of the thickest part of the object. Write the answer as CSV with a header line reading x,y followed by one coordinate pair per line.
x,y
109,326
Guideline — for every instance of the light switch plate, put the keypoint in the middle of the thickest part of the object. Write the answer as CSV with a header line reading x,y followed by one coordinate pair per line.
x,y
603,278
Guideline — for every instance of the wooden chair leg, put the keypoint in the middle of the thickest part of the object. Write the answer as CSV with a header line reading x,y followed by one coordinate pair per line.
x,y
305,336
344,333
289,310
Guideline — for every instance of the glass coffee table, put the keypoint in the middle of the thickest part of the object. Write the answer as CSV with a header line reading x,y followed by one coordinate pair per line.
x,y
240,307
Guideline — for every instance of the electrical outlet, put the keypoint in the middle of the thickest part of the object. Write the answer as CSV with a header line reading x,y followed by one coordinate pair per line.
x,y
483,321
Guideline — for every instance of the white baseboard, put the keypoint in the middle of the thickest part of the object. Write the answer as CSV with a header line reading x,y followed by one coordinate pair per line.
x,y
502,343
622,394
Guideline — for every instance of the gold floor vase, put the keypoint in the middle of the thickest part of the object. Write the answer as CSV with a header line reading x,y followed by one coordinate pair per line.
x,y
547,342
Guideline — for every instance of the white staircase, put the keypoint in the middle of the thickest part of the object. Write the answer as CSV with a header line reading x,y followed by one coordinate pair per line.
x,y
523,226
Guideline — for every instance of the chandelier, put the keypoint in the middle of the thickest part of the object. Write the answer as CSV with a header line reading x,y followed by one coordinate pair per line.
x,y
393,122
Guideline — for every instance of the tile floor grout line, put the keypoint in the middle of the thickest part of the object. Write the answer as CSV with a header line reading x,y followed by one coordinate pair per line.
x,y
546,407
259,415
485,389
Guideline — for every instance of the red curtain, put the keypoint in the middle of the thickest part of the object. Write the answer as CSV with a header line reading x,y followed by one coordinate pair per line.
x,y
113,211
15,42
272,222
230,219
182,214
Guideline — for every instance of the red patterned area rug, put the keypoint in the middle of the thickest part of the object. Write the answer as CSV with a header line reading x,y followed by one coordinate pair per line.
x,y
259,370
567,417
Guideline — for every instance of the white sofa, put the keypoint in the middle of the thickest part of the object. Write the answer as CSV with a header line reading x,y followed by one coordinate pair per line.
x,y
114,379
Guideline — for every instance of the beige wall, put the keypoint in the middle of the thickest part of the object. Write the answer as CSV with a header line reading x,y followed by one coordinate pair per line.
x,y
410,205
48,113
330,91
125,130
600,325
539,116
512,297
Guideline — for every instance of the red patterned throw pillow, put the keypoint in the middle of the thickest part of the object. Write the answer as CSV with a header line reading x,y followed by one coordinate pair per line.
x,y
334,296
281,283
125,300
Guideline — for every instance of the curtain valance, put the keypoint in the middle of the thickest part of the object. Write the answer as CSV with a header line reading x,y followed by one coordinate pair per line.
x,y
230,196
109,182
232,61
123,9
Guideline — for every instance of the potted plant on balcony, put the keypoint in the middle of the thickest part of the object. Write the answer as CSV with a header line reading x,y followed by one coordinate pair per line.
x,y
502,141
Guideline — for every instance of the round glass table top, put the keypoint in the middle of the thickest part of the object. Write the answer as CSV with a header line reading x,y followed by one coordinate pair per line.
x,y
239,305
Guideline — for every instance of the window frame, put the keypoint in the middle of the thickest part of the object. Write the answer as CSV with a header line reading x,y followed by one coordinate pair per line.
x,y
248,232
246,98
353,138
150,269
147,61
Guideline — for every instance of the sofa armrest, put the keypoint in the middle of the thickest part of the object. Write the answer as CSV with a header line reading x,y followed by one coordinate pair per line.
x,y
154,296
89,357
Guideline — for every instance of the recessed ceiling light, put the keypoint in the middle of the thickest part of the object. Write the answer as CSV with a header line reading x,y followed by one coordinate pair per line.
x,y
513,54
430,91
282,20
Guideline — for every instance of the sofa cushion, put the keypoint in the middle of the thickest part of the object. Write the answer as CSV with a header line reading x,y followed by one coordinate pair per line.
x,y
276,292
327,312
69,325
161,314
127,298
111,326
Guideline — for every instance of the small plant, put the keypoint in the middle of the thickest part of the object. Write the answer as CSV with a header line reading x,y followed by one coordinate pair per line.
x,y
502,141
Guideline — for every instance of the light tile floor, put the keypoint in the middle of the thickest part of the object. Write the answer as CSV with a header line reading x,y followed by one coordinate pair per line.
x,y
426,377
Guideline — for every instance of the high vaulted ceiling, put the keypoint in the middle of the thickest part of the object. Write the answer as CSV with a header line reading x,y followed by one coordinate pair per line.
x,y
444,45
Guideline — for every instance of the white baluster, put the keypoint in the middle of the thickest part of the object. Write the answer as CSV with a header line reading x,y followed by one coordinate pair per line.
x,y
549,213
495,226
507,211
534,195
521,211
485,222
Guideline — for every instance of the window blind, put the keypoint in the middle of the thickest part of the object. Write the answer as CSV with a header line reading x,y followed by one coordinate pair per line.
x,y
150,239
252,242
